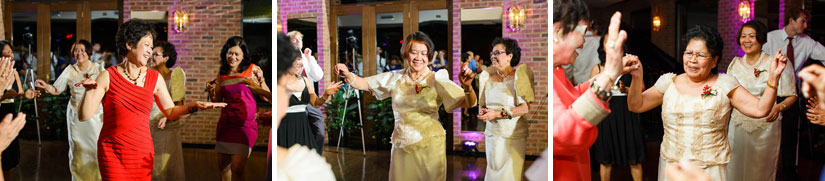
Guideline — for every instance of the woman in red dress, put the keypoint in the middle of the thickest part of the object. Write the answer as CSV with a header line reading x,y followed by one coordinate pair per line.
x,y
125,149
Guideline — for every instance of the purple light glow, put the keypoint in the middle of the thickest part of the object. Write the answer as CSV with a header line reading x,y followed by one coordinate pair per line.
x,y
474,136
470,143
471,174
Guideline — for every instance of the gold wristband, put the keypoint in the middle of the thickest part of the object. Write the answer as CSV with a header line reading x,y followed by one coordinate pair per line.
x,y
771,86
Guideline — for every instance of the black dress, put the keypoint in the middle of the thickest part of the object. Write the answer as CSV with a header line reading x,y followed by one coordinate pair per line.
x,y
295,127
621,139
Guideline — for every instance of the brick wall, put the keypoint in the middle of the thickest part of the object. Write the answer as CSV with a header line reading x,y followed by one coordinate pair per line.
x,y
533,42
211,24
728,23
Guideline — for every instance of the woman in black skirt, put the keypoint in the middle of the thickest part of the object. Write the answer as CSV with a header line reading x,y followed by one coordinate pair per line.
x,y
620,141
295,127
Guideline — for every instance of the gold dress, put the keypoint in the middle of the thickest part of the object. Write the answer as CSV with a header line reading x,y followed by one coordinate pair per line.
x,y
754,142
168,163
696,126
418,139
506,139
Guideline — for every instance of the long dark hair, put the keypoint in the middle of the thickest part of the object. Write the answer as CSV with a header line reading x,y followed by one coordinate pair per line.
x,y
286,55
232,42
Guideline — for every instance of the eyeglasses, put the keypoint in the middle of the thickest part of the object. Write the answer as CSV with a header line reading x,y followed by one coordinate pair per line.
x,y
157,54
698,55
496,53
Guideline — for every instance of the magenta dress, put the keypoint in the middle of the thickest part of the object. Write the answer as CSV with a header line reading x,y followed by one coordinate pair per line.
x,y
237,129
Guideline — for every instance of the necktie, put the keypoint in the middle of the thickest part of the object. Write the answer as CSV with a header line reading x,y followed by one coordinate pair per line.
x,y
789,53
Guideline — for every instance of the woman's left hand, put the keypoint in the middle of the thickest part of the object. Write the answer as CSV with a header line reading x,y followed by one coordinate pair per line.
x,y
778,64
466,77
486,115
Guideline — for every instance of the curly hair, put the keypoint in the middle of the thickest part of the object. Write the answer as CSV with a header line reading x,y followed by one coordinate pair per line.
x,y
761,31
85,44
713,41
130,33
510,47
286,55
232,42
569,13
417,37
168,51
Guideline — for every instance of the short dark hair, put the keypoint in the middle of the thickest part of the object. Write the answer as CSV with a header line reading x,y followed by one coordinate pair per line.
x,y
761,31
794,13
286,55
130,33
569,13
85,44
417,37
464,56
168,51
510,47
232,42
713,41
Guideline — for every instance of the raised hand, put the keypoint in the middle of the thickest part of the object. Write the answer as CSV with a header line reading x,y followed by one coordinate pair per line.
x,y
332,89
41,84
614,64
633,65
466,77
6,72
778,64
341,70
813,82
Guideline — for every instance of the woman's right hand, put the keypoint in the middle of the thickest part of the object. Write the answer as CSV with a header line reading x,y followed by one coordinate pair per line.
x,y
41,84
89,84
341,70
634,65
614,64
813,82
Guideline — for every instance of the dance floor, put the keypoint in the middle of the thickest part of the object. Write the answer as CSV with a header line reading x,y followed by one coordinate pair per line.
x,y
350,164
200,163
808,168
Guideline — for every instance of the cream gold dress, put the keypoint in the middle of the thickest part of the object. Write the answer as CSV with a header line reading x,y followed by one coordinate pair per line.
x,y
168,163
82,134
418,139
696,127
754,142
506,139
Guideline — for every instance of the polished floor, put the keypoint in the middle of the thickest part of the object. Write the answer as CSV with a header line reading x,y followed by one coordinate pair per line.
x,y
351,164
200,163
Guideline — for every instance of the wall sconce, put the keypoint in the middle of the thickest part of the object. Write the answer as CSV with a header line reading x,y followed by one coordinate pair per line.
x,y
181,20
657,23
745,10
516,17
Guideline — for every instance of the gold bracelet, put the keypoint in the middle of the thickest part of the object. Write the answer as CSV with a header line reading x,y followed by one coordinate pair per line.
x,y
771,86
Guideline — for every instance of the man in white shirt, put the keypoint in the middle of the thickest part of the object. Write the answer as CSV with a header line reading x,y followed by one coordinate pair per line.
x,y
798,48
579,71
96,53
312,70
380,62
